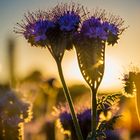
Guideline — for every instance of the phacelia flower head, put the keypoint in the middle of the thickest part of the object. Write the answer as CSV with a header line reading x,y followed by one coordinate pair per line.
x,y
102,27
67,18
69,21
92,28
53,28
43,28
35,27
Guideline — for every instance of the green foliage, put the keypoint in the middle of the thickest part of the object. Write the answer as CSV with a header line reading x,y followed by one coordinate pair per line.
x,y
106,125
106,102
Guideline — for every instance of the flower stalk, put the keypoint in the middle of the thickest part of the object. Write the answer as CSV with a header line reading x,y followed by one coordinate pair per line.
x,y
69,100
93,112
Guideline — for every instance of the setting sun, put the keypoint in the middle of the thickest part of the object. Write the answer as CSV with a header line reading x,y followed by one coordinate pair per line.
x,y
111,79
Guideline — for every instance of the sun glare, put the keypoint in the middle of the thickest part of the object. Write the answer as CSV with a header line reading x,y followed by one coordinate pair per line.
x,y
73,73
110,80
112,75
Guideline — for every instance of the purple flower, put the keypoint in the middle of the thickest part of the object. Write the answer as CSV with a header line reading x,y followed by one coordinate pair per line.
x,y
41,27
110,28
67,18
35,28
113,29
66,120
69,21
112,135
84,117
101,28
13,110
92,28
55,27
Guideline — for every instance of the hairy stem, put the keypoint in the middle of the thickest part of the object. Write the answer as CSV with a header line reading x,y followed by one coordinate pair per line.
x,y
69,100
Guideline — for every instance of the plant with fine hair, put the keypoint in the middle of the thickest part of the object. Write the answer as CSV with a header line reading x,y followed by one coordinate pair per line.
x,y
68,25
54,30
96,31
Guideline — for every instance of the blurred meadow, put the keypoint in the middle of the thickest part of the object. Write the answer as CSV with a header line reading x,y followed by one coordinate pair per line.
x,y
30,89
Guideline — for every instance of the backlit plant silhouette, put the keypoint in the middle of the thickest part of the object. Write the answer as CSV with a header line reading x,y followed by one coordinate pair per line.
x,y
97,31
68,25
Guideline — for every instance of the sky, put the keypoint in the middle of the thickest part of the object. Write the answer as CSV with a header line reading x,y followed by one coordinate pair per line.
x,y
118,58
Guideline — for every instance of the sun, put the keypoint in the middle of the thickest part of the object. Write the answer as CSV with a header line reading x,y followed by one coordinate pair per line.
x,y
111,79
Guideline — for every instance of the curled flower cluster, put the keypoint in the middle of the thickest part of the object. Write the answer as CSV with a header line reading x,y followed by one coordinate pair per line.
x,y
102,29
41,27
45,28
69,21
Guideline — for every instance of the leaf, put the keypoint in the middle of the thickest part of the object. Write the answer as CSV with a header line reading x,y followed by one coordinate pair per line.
x,y
108,125
90,57
105,126
107,101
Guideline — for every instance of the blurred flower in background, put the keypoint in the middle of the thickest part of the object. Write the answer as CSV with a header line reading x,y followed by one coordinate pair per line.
x,y
106,120
13,113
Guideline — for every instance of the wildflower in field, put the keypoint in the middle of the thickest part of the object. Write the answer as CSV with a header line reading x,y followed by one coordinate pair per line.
x,y
96,31
35,27
52,27
13,113
105,126
12,110
100,27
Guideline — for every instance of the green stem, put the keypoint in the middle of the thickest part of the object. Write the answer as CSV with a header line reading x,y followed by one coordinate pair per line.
x,y
93,113
69,100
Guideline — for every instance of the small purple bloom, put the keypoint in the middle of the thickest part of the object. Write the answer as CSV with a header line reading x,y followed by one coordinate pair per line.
x,y
56,26
84,119
69,21
41,27
35,28
101,28
93,29
113,29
